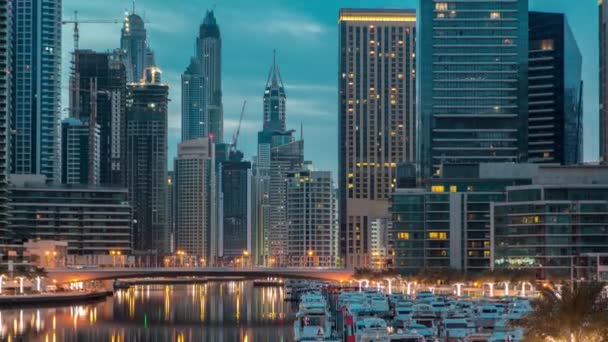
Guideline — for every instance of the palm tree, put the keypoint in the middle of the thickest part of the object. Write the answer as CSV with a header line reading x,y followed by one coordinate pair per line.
x,y
579,313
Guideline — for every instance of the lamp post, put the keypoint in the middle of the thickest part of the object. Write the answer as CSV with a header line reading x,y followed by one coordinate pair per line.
x,y
459,289
113,254
2,276
181,254
20,285
38,284
311,254
245,256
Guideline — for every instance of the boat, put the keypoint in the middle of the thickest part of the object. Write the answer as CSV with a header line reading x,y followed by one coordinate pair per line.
x,y
371,329
401,336
456,329
312,321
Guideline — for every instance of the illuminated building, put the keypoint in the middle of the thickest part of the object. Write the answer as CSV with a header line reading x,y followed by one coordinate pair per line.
x,y
137,55
377,119
209,52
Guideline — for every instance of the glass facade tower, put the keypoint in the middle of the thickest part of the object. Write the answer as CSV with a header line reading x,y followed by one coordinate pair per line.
x,y
472,77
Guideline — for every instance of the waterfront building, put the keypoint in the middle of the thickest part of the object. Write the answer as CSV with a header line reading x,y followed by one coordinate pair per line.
x,y
312,233
285,156
93,220
6,80
147,104
171,209
473,83
377,118
603,49
80,152
446,223
195,200
237,234
98,96
555,95
209,52
380,243
136,54
36,88
544,226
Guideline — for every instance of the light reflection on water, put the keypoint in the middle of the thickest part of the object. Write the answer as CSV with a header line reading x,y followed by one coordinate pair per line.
x,y
216,311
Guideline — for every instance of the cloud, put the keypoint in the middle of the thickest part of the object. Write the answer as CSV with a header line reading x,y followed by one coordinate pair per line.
x,y
275,23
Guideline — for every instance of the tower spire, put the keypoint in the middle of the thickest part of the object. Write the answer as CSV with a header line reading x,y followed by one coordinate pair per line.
x,y
133,7
274,68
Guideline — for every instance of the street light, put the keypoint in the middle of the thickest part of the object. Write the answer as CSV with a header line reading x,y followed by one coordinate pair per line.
x,y
311,253
245,255
2,276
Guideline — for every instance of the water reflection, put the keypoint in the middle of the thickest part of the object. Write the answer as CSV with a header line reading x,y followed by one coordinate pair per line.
x,y
217,311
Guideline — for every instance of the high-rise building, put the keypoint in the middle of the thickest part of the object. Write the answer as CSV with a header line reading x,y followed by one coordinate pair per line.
x,y
274,100
209,51
377,119
36,93
147,105
286,154
312,232
79,152
555,116
603,121
98,96
195,114
195,199
6,54
236,235
137,55
171,209
472,64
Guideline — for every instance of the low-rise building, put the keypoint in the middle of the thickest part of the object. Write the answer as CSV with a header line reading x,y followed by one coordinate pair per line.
x,y
547,225
92,220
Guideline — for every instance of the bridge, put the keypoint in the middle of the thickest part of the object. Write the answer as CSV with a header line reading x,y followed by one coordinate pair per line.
x,y
68,275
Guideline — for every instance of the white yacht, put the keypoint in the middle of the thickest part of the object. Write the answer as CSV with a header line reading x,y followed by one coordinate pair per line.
x,y
312,322
371,329
456,328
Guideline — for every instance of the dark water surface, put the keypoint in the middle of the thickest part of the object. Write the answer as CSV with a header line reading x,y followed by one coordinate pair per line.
x,y
216,311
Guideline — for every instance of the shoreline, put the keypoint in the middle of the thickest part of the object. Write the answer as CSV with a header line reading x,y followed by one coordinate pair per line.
x,y
55,299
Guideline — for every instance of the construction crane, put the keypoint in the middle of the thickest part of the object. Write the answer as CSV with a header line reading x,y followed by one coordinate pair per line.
x,y
77,22
235,137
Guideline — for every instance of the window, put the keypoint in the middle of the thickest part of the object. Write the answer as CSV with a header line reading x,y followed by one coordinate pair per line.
x,y
438,235
444,253
546,45
403,236
441,6
486,254
494,15
453,188
437,188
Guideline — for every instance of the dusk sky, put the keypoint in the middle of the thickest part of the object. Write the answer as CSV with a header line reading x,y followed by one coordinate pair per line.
x,y
305,34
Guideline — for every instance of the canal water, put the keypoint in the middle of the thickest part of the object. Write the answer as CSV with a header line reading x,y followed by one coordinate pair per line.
x,y
215,311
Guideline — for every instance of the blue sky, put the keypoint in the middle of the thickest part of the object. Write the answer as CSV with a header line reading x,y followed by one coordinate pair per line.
x,y
305,34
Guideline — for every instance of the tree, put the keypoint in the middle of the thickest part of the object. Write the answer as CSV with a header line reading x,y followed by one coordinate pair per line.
x,y
578,314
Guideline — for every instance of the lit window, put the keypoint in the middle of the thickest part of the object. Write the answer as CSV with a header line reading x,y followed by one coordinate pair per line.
x,y
444,253
441,6
351,175
440,15
495,15
403,236
546,45
452,14
438,235
486,254
453,188
546,155
350,186
437,188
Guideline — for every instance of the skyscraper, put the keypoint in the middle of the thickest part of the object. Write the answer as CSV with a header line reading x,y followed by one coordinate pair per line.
x,y
472,63
235,187
6,53
603,122
274,99
377,119
555,115
79,152
134,45
209,51
147,104
195,113
195,199
286,154
98,92
36,93
311,215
